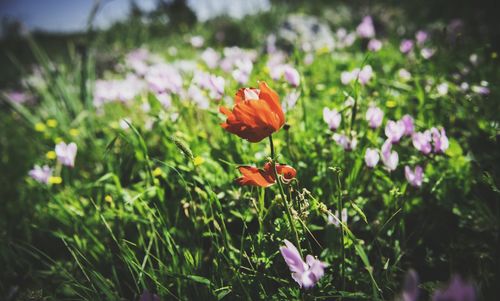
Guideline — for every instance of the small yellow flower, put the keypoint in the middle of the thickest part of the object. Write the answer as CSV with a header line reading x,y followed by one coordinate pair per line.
x,y
157,172
74,132
55,180
198,160
390,104
52,123
323,50
58,140
332,90
40,127
108,199
494,55
51,155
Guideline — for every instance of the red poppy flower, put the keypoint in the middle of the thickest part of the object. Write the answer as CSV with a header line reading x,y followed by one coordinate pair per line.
x,y
256,114
254,176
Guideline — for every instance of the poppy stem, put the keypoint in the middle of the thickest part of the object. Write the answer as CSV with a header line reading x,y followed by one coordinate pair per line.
x,y
283,196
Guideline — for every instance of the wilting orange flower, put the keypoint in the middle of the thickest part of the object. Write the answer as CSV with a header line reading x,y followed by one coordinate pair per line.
x,y
254,176
256,114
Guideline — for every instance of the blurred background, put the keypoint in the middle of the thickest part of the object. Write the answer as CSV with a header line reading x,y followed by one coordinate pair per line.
x,y
54,23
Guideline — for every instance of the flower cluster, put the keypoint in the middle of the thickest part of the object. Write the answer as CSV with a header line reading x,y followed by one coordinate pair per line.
x,y
256,115
65,153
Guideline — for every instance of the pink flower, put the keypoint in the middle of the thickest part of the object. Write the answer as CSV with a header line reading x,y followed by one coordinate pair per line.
x,y
414,177
365,74
347,143
307,273
421,36
332,117
394,130
374,45
41,174
374,116
422,142
371,157
440,140
389,158
292,76
366,29
66,153
408,124
406,46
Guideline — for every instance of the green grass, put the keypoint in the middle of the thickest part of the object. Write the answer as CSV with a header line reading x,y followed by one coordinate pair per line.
x,y
141,210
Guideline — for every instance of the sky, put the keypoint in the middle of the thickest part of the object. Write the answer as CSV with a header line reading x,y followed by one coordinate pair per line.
x,y
71,15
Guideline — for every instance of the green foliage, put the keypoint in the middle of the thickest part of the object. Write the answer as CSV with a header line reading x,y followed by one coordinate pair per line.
x,y
155,207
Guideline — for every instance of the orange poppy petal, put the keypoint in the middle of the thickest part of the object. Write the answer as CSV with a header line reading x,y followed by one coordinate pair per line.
x,y
254,177
272,98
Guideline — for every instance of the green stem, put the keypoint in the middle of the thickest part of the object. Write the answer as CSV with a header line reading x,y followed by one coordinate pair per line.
x,y
283,196
342,241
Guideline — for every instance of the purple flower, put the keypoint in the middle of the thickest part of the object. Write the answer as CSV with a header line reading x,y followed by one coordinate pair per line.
x,y
307,273
406,46
410,287
346,77
457,290
335,221
292,76
371,157
422,141
66,153
147,296
481,90
408,123
414,177
394,130
164,78
216,87
19,97
290,100
242,72
366,29
421,36
440,140
389,158
374,45
332,117
165,99
374,116
347,143
210,57
41,174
